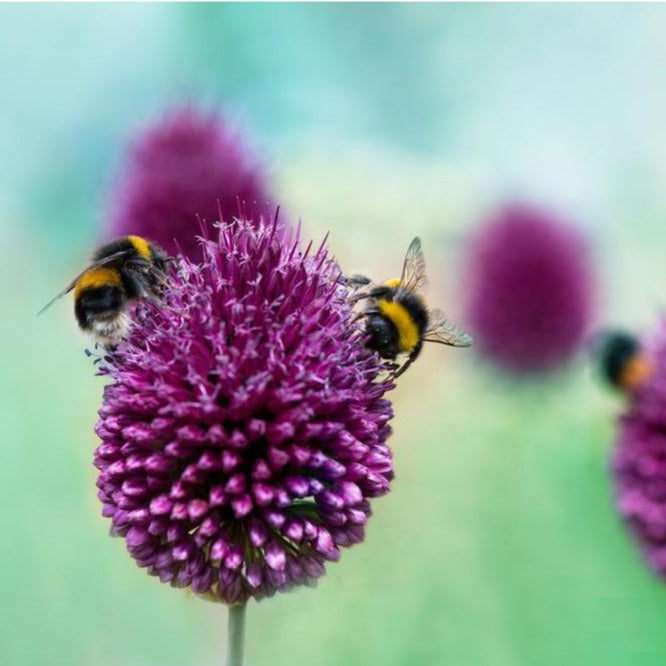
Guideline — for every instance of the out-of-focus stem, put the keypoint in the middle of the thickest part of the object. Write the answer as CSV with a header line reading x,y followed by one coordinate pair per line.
x,y
236,635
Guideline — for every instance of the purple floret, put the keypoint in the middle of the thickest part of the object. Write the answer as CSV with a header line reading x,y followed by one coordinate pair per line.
x,y
530,289
176,170
639,462
244,427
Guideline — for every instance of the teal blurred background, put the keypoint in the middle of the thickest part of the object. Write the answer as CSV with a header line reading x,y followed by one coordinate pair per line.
x,y
498,544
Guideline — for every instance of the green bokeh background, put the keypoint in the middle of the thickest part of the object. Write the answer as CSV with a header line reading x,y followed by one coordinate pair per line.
x,y
498,543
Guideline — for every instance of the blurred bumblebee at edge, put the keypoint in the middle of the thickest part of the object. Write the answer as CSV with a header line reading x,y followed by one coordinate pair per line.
x,y
622,360
126,269
398,321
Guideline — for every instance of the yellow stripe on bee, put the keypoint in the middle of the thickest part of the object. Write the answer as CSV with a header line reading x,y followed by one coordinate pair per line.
x,y
408,332
141,246
97,277
394,283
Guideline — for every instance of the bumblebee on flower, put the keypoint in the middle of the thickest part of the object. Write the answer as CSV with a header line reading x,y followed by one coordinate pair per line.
x,y
398,321
244,427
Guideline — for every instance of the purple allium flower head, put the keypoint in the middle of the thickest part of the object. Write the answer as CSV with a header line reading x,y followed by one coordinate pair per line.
x,y
176,170
529,293
244,427
639,462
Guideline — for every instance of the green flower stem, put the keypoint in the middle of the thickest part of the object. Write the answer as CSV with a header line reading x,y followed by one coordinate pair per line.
x,y
236,635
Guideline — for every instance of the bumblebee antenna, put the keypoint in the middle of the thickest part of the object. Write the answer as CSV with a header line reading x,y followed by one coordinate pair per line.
x,y
55,298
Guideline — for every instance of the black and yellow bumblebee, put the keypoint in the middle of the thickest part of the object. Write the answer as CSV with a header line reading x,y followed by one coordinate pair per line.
x,y
398,321
623,362
126,269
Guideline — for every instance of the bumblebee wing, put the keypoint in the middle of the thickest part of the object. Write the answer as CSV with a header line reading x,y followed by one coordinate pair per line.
x,y
104,261
445,332
413,278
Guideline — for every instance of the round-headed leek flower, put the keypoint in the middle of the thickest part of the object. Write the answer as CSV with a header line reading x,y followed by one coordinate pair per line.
x,y
244,427
639,461
177,169
529,289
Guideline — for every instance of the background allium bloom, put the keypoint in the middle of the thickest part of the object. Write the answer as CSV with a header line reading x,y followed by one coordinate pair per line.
x,y
244,428
177,169
639,464
529,289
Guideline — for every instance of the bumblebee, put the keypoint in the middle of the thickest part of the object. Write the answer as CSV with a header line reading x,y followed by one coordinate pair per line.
x,y
127,269
622,361
398,321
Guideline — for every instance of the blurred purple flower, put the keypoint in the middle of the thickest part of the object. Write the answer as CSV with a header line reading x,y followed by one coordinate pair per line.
x,y
529,292
244,429
177,169
639,462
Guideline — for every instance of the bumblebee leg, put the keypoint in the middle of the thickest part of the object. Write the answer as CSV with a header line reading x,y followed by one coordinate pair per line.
x,y
355,280
410,359
402,368
359,297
